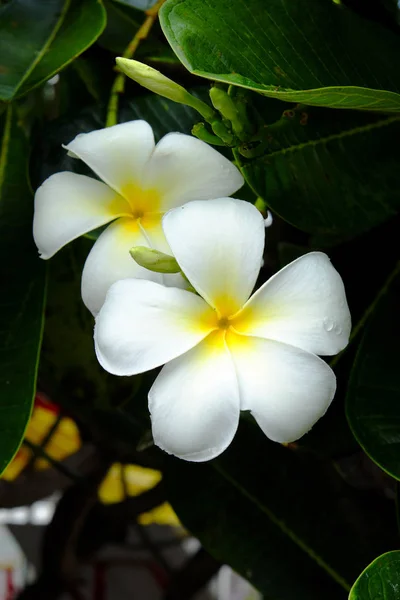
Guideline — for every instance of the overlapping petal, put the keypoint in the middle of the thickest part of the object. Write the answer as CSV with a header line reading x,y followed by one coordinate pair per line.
x,y
109,260
68,205
183,168
194,402
286,389
304,304
116,154
219,247
143,325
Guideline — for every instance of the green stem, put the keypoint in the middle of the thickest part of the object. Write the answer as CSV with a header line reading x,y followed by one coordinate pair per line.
x,y
370,309
118,86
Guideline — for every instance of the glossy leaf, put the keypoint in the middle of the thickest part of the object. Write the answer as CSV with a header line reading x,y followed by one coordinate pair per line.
x,y
81,26
292,50
380,580
328,172
27,28
282,519
373,407
22,274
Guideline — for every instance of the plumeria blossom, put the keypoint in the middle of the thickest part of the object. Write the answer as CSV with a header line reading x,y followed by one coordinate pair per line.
x,y
226,351
140,182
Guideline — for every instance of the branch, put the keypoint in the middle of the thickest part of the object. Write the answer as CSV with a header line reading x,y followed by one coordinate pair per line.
x,y
119,82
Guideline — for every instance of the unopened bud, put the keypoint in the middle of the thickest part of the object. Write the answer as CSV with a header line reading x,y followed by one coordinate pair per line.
x,y
156,82
223,103
154,260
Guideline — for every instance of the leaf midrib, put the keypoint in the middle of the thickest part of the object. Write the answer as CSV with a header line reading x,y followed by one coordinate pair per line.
x,y
285,529
329,138
43,50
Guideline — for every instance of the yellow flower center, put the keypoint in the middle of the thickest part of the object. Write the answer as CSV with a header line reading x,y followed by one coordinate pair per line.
x,y
142,202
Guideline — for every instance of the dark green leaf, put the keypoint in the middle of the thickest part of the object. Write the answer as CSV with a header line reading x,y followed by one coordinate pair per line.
x,y
328,172
316,53
81,26
27,28
279,517
288,252
373,399
22,274
380,580
123,21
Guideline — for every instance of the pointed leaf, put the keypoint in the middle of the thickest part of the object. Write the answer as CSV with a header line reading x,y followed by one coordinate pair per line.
x,y
81,26
22,274
27,28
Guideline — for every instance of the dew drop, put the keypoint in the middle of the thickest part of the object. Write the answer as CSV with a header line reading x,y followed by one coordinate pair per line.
x,y
328,324
338,330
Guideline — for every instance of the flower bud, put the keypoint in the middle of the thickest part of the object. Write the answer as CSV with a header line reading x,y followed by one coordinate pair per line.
x,y
156,82
154,260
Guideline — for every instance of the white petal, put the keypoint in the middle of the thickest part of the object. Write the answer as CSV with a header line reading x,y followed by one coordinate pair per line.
x,y
194,402
116,154
304,304
286,389
183,168
143,324
219,247
109,261
154,234
68,205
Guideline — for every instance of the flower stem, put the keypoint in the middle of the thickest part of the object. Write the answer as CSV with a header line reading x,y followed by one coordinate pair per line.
x,y
118,86
370,309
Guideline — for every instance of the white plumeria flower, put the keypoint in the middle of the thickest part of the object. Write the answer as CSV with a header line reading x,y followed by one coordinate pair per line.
x,y
141,182
227,352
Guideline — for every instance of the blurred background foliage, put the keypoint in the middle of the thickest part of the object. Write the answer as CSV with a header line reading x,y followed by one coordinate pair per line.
x,y
320,84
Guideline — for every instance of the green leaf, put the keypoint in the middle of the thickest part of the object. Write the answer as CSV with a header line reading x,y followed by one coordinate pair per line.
x,y
22,274
373,407
27,28
123,21
281,518
330,173
293,50
380,580
81,26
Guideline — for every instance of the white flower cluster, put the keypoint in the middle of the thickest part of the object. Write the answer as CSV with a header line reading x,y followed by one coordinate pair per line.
x,y
224,350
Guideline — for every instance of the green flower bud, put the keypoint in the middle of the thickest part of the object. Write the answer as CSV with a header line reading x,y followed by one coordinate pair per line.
x,y
154,260
200,131
223,103
221,131
156,82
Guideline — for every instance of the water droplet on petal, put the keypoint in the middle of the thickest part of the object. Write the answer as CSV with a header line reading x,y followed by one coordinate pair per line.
x,y
328,324
338,330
